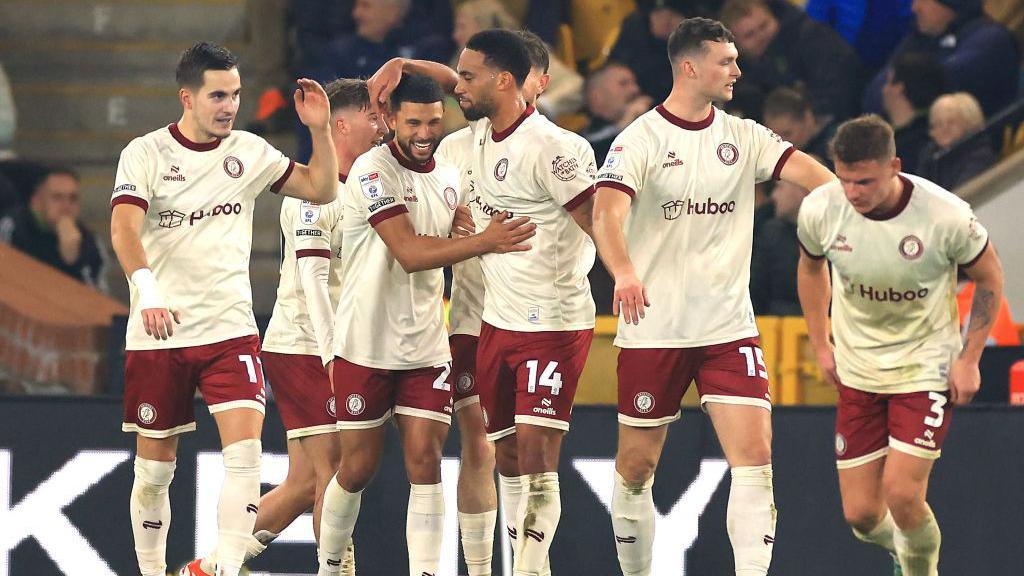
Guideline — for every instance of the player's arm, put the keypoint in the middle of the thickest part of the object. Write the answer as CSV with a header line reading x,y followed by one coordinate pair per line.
x,y
384,80
583,214
987,274
126,221
611,206
314,273
416,253
318,181
815,291
805,171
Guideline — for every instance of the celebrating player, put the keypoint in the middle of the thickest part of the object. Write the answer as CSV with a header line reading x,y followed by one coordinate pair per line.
x,y
181,226
894,241
391,352
673,223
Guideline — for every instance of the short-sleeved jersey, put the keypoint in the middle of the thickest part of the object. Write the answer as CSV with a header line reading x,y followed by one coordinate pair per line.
x,y
307,231
538,170
894,315
690,226
467,303
387,318
197,233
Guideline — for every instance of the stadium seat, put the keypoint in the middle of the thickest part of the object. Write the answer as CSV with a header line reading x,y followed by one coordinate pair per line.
x,y
595,27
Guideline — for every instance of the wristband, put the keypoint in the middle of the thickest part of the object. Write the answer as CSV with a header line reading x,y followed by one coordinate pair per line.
x,y
149,293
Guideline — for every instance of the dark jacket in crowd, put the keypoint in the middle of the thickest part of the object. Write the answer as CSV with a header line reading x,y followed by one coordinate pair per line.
x,y
958,167
22,230
978,55
645,55
911,140
806,55
773,269
873,27
600,133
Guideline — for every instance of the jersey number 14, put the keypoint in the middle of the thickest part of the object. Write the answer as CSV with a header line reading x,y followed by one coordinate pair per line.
x,y
549,377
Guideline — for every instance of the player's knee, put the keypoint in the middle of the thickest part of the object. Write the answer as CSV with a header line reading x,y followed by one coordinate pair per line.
x,y
355,477
862,520
154,476
478,454
423,464
636,466
243,457
904,498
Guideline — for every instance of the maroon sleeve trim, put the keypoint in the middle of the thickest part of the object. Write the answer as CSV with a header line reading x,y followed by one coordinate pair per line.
x,y
808,252
617,186
276,186
313,253
974,260
777,173
129,199
580,198
385,214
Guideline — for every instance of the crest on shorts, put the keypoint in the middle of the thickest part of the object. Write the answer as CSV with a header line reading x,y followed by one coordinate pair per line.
x,y
233,167
332,407
310,212
501,169
840,444
643,402
355,404
451,198
147,413
564,168
911,247
728,153
464,383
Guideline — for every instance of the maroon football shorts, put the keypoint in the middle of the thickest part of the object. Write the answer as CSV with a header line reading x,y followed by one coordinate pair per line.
x,y
367,397
302,392
652,381
161,384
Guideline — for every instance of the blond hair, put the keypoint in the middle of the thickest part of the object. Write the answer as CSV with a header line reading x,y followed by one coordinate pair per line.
x,y
962,106
488,14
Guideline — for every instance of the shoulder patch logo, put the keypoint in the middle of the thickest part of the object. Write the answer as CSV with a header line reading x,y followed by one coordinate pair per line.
x,y
371,185
564,168
233,167
309,213
614,158
501,169
728,153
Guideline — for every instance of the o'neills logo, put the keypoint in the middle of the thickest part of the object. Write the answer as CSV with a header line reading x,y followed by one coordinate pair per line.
x,y
676,208
889,295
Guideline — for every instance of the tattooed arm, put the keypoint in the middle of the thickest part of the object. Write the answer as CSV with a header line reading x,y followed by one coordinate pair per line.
x,y
987,274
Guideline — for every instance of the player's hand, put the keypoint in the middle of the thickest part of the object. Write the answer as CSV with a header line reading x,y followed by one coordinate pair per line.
x,y
311,104
503,235
463,224
827,362
964,381
383,83
630,298
158,324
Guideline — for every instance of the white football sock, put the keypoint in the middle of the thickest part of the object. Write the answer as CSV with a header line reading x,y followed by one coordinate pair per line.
x,y
478,541
633,517
881,535
424,528
539,511
150,510
918,549
337,522
238,505
750,519
510,488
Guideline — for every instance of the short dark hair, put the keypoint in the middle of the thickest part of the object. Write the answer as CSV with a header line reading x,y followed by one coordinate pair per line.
x,y
198,59
861,139
504,50
57,170
922,76
347,93
690,35
735,10
540,57
418,89
787,102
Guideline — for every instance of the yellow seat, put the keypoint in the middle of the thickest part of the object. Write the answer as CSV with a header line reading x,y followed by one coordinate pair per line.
x,y
595,27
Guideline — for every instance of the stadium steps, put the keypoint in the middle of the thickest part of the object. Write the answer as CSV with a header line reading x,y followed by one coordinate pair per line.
x,y
88,76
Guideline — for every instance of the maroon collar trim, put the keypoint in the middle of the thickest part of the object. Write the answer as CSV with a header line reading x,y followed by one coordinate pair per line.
x,y
908,188
686,124
409,164
342,177
195,146
499,136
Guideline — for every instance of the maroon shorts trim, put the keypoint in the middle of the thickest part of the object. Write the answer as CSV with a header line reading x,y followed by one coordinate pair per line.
x,y
368,397
303,393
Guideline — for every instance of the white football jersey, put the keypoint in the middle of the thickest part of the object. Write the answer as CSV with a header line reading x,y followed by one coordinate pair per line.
x,y
690,224
307,231
467,303
387,318
538,170
894,314
197,234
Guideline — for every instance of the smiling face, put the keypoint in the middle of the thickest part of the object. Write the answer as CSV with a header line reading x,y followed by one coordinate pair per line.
x,y
212,107
715,70
418,129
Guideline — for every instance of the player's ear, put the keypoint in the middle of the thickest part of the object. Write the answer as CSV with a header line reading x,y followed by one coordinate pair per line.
x,y
185,96
506,81
896,164
544,79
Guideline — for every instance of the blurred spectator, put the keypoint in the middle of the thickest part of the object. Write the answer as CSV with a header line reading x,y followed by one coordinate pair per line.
x,y
788,113
8,117
776,252
48,229
872,27
315,24
1009,13
780,45
978,55
915,81
613,101
954,117
561,88
643,45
